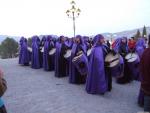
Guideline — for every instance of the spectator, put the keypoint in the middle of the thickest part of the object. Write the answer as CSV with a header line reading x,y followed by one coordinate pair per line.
x,y
145,83
3,88
131,44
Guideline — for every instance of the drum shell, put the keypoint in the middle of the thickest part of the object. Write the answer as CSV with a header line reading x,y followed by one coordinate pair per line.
x,y
134,67
117,71
113,60
89,52
135,62
81,59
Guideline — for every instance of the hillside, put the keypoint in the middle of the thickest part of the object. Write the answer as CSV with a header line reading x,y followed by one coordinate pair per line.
x,y
127,33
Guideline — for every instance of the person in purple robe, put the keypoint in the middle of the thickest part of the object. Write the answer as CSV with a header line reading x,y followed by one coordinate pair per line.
x,y
116,45
35,56
60,61
75,76
86,41
90,42
140,46
127,74
20,45
68,44
24,55
145,75
48,63
42,42
98,81
134,67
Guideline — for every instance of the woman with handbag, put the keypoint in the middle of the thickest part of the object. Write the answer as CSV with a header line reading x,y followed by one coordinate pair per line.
x,y
3,88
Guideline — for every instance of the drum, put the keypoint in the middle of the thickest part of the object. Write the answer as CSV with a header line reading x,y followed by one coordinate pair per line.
x,y
52,51
29,49
113,60
42,49
68,54
131,57
116,64
118,70
81,63
89,52
133,63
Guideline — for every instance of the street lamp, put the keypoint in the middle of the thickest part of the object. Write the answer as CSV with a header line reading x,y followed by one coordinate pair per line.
x,y
73,13
111,37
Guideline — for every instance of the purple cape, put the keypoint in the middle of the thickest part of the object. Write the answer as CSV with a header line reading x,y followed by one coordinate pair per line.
x,y
140,46
96,80
35,57
24,55
60,61
117,45
74,76
48,63
42,42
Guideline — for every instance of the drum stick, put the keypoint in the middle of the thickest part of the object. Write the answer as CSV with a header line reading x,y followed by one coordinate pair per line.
x,y
113,60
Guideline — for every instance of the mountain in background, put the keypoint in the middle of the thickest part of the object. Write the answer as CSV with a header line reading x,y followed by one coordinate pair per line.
x,y
128,33
131,33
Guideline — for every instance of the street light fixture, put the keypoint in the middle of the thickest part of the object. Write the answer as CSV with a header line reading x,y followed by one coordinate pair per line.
x,y
73,13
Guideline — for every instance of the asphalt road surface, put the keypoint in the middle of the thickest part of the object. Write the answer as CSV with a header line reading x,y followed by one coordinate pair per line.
x,y
37,91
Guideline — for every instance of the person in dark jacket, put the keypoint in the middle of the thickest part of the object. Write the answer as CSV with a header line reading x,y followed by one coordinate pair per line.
x,y
145,74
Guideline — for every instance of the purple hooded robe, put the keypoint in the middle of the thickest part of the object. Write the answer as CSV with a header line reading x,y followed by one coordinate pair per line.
x,y
24,55
35,57
140,46
60,61
96,80
42,42
74,76
48,63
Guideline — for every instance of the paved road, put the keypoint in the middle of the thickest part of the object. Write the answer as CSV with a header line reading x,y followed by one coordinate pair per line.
x,y
37,91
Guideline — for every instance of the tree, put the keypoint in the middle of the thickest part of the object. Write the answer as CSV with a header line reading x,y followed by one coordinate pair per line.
x,y
137,35
144,34
8,48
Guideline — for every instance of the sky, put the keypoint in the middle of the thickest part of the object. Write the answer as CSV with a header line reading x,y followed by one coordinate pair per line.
x,y
42,17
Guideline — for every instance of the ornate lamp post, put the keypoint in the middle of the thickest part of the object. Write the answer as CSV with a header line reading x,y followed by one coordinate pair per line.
x,y
73,13
111,36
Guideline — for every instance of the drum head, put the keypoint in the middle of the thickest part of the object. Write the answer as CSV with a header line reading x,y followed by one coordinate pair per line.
x,y
52,51
29,49
89,52
113,60
68,54
131,57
